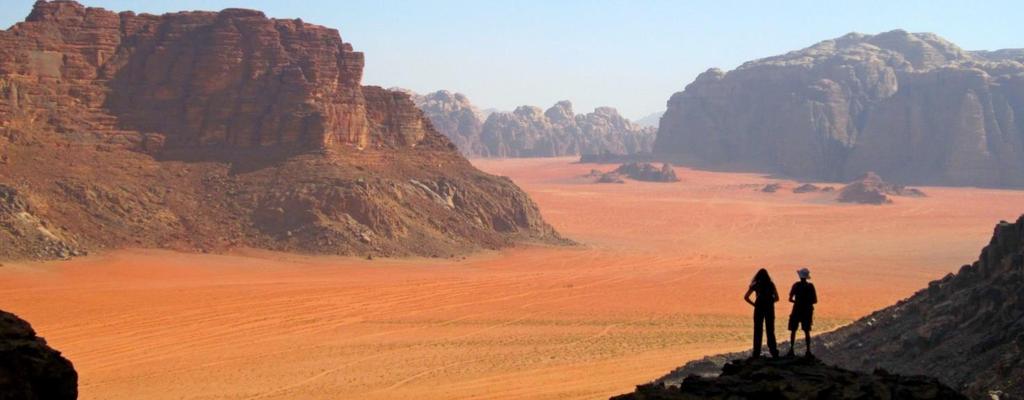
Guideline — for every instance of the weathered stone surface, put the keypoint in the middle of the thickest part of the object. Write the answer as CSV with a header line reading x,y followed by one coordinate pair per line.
x,y
795,378
456,117
913,107
648,172
530,132
964,329
29,369
203,131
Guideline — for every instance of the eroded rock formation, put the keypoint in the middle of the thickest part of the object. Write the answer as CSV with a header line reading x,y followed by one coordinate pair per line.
x,y
964,329
531,132
456,117
871,189
795,378
210,130
648,172
29,369
913,107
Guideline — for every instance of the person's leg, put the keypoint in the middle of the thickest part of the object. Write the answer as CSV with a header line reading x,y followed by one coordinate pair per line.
x,y
807,336
758,320
792,342
769,327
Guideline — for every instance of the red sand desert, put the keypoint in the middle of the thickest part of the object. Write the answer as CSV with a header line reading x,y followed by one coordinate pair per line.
x,y
657,280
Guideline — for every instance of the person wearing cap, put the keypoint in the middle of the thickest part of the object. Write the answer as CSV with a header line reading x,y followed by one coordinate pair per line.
x,y
803,296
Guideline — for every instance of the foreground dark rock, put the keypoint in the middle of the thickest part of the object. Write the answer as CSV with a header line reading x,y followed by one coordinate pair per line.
x,y
795,378
203,131
964,329
912,106
871,189
29,369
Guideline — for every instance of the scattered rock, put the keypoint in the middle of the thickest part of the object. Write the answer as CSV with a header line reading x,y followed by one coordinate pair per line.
x,y
648,172
871,189
771,188
810,188
610,177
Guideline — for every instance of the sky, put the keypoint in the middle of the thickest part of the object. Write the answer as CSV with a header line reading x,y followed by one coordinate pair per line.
x,y
630,54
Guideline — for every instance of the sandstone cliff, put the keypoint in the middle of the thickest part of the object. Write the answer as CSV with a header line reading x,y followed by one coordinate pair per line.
x,y
29,369
531,132
456,117
913,107
964,329
210,130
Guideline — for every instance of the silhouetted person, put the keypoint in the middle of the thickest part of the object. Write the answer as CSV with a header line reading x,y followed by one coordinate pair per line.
x,y
803,296
764,310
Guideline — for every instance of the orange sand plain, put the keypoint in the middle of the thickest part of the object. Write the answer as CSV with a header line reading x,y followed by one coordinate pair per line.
x,y
656,281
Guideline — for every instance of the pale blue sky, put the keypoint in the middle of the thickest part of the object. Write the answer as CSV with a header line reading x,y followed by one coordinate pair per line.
x,y
627,54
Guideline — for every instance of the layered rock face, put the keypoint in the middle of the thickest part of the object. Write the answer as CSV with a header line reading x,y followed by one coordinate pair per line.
x,y
964,329
530,132
211,130
29,369
795,378
912,107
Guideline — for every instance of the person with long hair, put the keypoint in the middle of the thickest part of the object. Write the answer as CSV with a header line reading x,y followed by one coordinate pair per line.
x,y
764,310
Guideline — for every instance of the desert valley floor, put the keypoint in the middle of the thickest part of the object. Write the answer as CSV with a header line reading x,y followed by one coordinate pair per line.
x,y
656,280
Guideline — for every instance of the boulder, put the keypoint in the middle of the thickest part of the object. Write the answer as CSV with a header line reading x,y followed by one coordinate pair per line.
x,y
29,369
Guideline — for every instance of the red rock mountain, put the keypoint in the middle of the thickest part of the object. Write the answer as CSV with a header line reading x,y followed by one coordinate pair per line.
x,y
913,107
210,130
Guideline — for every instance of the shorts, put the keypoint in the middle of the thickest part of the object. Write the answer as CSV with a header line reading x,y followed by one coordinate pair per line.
x,y
800,318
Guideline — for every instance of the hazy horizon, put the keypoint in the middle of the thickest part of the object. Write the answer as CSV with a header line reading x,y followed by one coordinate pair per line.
x,y
627,55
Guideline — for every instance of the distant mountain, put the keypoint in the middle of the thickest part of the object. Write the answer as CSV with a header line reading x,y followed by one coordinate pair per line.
x,y
651,120
911,106
531,132
967,329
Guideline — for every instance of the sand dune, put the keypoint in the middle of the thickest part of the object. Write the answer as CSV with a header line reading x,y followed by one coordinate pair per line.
x,y
656,281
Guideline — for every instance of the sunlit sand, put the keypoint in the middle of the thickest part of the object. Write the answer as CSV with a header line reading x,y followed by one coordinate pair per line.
x,y
657,280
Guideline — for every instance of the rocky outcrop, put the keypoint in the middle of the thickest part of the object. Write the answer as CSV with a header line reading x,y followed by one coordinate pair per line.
x,y
456,117
531,132
795,378
913,107
964,329
648,172
871,189
812,188
203,131
29,369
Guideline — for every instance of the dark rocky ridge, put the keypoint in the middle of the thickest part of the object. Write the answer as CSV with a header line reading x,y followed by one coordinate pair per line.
x,y
795,378
964,329
913,107
203,131
29,369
